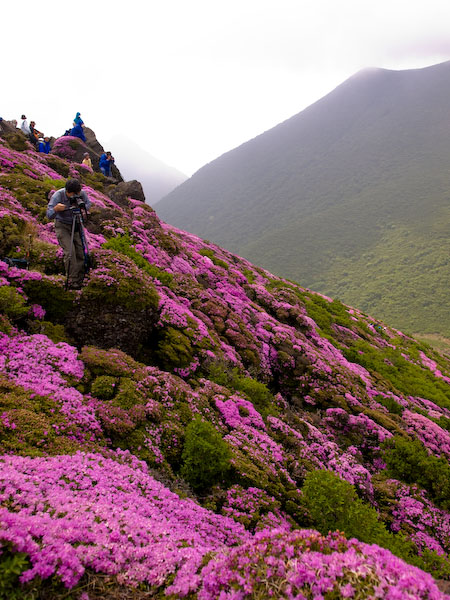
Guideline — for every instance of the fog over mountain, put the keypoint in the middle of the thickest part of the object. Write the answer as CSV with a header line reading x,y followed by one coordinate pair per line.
x,y
350,197
157,178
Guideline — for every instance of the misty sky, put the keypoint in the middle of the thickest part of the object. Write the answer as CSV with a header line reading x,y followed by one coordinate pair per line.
x,y
191,79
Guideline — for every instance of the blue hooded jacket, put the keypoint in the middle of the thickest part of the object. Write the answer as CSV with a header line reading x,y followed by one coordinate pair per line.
x,y
78,132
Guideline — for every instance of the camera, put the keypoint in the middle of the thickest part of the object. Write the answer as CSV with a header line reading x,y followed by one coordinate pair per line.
x,y
77,202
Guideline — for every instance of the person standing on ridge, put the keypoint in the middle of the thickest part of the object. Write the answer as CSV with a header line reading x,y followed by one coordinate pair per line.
x,y
87,162
105,163
59,209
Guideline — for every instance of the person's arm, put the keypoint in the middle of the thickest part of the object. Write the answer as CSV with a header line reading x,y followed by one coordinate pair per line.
x,y
55,205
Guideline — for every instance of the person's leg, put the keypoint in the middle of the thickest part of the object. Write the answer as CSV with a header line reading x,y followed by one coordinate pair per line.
x,y
77,273
64,236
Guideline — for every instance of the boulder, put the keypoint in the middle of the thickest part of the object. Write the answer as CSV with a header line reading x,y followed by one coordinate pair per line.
x,y
126,189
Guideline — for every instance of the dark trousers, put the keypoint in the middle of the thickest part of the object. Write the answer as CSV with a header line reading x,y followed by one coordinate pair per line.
x,y
64,234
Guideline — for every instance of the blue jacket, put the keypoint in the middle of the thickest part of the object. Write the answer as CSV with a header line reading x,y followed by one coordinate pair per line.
x,y
78,132
47,147
78,120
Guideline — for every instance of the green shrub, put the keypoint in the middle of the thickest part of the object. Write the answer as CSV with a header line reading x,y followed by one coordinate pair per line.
x,y
56,333
334,505
408,378
127,394
257,392
104,387
206,456
11,234
123,244
12,303
174,349
210,254
17,141
389,403
12,565
409,461
51,295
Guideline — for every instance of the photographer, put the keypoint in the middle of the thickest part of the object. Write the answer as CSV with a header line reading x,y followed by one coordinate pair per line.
x,y
60,208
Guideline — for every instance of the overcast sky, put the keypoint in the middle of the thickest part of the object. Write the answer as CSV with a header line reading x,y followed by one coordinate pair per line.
x,y
191,79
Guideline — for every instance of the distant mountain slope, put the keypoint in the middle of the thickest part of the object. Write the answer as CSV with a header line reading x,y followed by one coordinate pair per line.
x,y
350,197
157,178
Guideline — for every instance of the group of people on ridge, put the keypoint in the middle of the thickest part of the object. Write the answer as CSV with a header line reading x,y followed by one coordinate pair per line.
x,y
60,205
37,138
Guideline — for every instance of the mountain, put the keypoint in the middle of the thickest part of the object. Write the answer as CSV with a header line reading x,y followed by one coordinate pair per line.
x,y
157,178
189,425
350,197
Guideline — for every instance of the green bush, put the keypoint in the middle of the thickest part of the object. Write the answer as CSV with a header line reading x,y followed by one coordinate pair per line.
x,y
206,456
257,392
127,394
11,234
334,505
409,461
123,244
217,261
12,303
174,349
104,387
408,378
52,296
12,565
389,403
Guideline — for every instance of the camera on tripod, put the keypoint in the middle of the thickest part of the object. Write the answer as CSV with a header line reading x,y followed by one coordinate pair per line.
x,y
77,202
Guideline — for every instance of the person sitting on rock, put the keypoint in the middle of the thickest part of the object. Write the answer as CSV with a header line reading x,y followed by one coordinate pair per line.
x,y
105,163
34,134
87,162
78,132
47,146
59,209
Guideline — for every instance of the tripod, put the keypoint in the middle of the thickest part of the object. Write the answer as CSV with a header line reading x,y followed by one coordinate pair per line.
x,y
78,225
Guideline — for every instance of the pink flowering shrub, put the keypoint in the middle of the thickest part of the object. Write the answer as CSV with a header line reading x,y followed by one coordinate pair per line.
x,y
305,564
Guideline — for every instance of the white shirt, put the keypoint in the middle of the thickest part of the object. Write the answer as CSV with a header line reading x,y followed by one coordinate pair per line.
x,y
25,127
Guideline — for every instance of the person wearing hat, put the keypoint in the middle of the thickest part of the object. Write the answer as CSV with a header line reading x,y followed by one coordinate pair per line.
x,y
24,126
59,209
87,162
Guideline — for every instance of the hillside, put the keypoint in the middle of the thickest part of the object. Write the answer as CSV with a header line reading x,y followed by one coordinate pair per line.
x,y
157,178
188,425
350,197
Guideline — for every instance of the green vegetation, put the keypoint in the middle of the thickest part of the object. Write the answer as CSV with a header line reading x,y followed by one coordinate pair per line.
x,y
217,261
206,456
408,378
257,392
12,303
123,244
333,504
409,461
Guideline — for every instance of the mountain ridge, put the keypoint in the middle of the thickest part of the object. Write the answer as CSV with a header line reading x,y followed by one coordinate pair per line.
x,y
341,173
